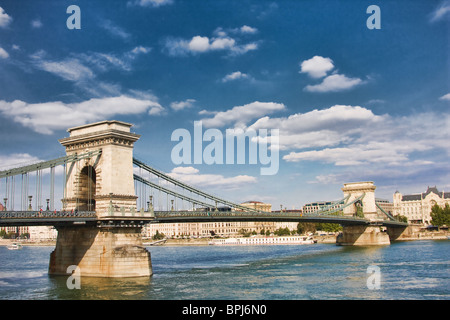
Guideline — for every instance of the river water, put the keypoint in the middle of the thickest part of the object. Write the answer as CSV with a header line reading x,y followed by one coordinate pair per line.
x,y
404,270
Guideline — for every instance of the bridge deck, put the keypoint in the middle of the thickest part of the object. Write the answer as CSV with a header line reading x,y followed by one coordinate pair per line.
x,y
57,218
43,218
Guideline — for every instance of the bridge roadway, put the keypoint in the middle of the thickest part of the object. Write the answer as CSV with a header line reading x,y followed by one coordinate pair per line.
x,y
55,218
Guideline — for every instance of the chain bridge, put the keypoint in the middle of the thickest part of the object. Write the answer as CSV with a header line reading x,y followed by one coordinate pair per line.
x,y
106,196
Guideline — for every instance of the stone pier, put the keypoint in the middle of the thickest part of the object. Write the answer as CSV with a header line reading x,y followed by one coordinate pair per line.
x,y
362,236
101,252
398,234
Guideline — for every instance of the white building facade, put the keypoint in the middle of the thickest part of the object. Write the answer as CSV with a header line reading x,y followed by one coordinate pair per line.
x,y
417,207
226,229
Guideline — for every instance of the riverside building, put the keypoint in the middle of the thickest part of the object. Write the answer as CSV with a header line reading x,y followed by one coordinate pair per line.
x,y
226,229
417,207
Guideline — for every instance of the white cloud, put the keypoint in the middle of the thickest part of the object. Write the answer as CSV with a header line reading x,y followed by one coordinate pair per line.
x,y
199,44
16,160
140,49
317,66
150,3
86,65
241,115
223,44
115,30
207,113
355,136
3,53
202,44
247,29
70,69
237,50
5,19
244,30
47,117
346,135
180,105
334,83
235,76
36,24
185,170
351,155
192,176
413,174
376,101
440,12
82,69
319,128
445,97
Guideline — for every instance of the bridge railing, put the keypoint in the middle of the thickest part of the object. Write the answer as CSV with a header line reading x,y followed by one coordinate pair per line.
x,y
183,214
46,214
162,214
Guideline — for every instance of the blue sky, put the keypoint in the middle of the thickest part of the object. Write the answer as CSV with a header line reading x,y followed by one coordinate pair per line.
x,y
350,103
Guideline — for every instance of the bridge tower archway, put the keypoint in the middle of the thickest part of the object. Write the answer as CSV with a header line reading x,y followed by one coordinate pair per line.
x,y
87,179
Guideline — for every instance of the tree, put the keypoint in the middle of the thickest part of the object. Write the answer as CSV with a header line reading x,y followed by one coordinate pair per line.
x,y
304,227
300,228
158,236
359,211
440,216
329,227
401,218
282,232
244,232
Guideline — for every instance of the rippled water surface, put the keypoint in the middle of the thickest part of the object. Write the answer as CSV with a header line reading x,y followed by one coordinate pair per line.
x,y
408,270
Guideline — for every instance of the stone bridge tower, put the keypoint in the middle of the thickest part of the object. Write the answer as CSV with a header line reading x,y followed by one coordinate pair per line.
x,y
103,183
112,245
362,235
367,203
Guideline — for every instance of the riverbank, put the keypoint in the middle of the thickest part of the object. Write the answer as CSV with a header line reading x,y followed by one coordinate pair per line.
x,y
6,242
435,235
187,242
426,236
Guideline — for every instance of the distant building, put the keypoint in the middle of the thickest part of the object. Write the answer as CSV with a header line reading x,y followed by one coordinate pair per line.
x,y
43,233
387,206
258,226
17,230
2,208
257,205
206,229
319,205
417,207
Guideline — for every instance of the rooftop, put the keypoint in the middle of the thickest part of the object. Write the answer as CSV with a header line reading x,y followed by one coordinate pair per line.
x,y
419,196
